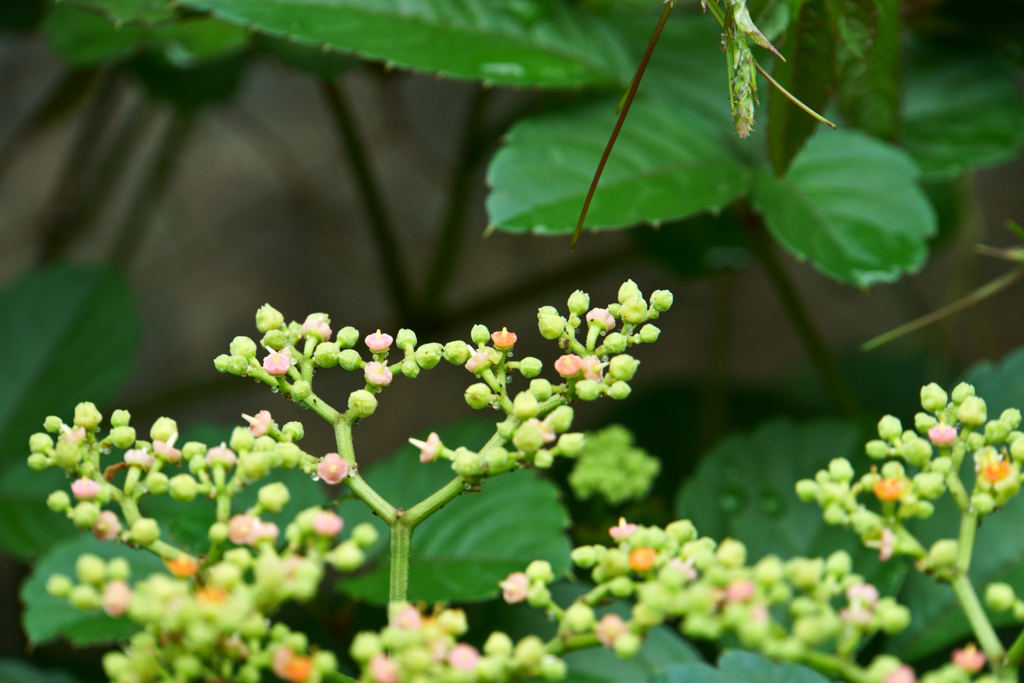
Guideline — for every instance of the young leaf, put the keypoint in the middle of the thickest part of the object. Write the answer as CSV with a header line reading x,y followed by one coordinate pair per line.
x,y
851,205
739,667
128,11
19,671
545,43
462,552
807,73
669,163
868,64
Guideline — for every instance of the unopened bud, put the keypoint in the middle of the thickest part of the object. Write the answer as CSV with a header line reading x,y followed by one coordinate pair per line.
x,y
429,355
530,367
972,412
479,396
457,352
362,403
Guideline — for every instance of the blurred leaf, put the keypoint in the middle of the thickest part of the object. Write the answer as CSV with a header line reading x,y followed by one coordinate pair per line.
x,y
73,331
140,11
1000,384
869,64
85,39
662,649
697,246
461,552
995,27
46,618
21,15
668,164
192,88
849,203
807,73
547,43
961,111
313,60
18,671
740,667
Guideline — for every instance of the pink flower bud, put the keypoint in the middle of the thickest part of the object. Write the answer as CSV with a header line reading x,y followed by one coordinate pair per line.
x,y
328,524
378,342
263,531
684,568
107,526
428,448
478,361
546,432
139,458
282,658
610,627
592,368
601,316
221,455
333,468
407,619
317,327
278,363
166,449
259,425
463,657
903,674
515,587
569,365
76,435
739,591
622,530
377,374
942,435
887,545
856,616
503,340
85,489
970,659
116,597
862,594
383,670
240,528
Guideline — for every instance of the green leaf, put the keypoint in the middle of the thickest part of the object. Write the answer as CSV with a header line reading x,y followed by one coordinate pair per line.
x,y
740,667
668,163
18,671
329,65
1000,384
807,73
87,39
661,649
545,43
698,246
869,64
461,552
190,88
962,111
134,11
46,618
849,203
73,331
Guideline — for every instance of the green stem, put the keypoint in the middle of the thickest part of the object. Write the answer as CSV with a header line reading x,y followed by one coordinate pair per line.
x,y
358,485
570,643
415,515
1016,653
828,370
965,546
401,550
834,666
975,614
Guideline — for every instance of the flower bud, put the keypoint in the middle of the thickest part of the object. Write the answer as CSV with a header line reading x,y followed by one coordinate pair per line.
x,y
301,390
268,318
244,347
479,396
889,428
570,444
85,598
498,644
732,553
917,451
649,334
530,367
52,424
84,515
405,339
627,645
347,337
87,416
480,335
429,355
122,437
365,646
145,531
540,570
579,302
943,553
525,405
58,501
661,300
634,311
528,438
326,355
273,497
156,483
579,617
983,503
222,363
804,573
346,557
996,431
972,412
933,398
1012,417
541,389
923,422
839,564
38,462
120,418
457,352
349,359
362,403
550,324
962,392
892,618
40,443
183,488
163,429
365,535
585,556
59,585
1000,597
588,389
91,569
467,464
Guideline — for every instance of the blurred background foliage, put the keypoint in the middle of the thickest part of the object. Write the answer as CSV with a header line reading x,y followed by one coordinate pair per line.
x,y
166,168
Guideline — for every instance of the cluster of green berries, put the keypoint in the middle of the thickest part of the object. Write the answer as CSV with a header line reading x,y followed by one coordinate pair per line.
x,y
612,467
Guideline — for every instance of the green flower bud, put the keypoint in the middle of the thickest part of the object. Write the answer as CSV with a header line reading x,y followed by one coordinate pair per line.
x,y
570,444
241,439
222,363
961,392
91,569
541,389
86,415
627,645
219,532
253,465
362,403
551,325
457,352
972,412
998,596
347,337
301,390
584,557
273,497
661,300
188,667
498,644
156,483
530,367
543,459
588,389
917,451
732,553
244,347
275,340
627,291
623,367
326,354
238,366
145,531
840,470
163,429
480,335
579,617
614,343
466,463
118,569
929,485
943,465
268,318
122,437
349,359
619,390
365,646
405,339
525,405
120,418
538,596
943,553
839,564
834,515
865,522
649,334
540,570
346,557
40,443
529,651
58,501
38,462
528,438
429,355
59,586
890,428
1017,449
85,598
293,431
551,668
804,573
365,535
933,398
634,311
807,490
579,302
983,503
893,618
67,455
478,396
85,515
996,431
1012,417
682,531
52,424
923,422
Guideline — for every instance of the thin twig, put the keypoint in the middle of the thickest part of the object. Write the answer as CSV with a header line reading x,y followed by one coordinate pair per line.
x,y
792,98
630,94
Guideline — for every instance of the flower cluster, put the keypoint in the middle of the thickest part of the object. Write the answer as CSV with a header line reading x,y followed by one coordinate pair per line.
x,y
612,467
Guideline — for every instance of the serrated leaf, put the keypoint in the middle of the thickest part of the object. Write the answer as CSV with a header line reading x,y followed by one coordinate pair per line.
x,y
461,552
740,667
46,618
668,163
18,671
120,11
868,64
313,60
962,111
87,39
73,331
807,73
543,43
850,205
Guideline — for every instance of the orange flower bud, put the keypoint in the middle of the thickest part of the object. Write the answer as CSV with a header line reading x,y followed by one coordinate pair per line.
x,y
995,470
503,339
298,669
642,559
182,566
890,490
211,595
